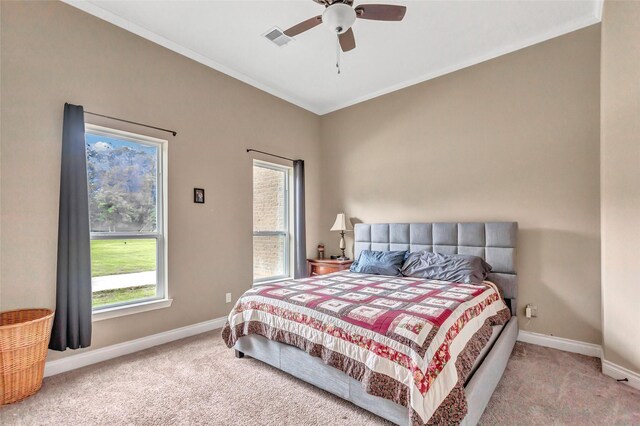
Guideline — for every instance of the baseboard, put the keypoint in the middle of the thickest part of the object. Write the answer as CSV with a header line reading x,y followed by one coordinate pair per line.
x,y
617,372
568,345
103,354
98,355
608,368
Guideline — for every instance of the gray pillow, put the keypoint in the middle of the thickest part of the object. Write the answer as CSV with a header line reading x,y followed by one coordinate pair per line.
x,y
379,262
459,268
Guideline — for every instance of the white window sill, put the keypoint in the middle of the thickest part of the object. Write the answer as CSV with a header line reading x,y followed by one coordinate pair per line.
x,y
120,311
277,280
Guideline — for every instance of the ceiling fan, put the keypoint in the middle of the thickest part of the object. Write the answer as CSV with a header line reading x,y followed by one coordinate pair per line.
x,y
340,15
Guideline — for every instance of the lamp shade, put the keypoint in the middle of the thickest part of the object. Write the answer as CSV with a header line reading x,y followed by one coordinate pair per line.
x,y
342,223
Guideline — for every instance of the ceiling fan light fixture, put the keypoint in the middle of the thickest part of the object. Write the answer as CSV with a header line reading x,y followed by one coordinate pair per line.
x,y
339,17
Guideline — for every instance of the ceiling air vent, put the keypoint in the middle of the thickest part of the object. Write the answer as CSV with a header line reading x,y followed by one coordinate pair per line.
x,y
276,36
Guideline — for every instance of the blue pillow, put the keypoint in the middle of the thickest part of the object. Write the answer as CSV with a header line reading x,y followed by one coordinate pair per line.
x,y
458,268
379,262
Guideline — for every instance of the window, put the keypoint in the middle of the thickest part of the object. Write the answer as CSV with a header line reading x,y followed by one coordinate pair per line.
x,y
271,232
126,179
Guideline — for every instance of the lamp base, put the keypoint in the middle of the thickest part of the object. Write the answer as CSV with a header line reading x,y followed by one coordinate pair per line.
x,y
342,248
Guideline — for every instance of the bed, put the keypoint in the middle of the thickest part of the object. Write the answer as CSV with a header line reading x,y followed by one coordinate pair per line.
x,y
405,373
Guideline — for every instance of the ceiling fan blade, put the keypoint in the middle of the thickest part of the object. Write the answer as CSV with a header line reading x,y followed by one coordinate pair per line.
x,y
327,3
381,12
304,26
347,40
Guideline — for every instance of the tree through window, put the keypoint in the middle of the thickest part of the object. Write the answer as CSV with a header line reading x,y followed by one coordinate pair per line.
x,y
124,173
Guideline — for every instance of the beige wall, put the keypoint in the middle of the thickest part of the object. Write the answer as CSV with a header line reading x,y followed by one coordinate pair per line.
x,y
620,168
515,138
53,53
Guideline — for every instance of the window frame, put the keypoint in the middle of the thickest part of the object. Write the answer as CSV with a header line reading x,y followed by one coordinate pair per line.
x,y
288,232
161,298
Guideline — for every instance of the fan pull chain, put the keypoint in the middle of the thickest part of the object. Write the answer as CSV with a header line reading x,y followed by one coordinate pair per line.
x,y
338,54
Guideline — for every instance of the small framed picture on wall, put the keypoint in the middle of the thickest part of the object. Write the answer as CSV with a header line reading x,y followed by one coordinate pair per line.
x,y
198,195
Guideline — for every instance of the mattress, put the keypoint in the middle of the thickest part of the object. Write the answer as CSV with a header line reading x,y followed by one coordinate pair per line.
x,y
409,340
495,333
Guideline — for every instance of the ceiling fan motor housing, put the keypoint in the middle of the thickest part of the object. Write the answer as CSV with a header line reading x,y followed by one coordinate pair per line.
x,y
339,17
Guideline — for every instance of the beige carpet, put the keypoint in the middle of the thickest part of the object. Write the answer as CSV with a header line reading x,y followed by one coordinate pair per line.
x,y
198,381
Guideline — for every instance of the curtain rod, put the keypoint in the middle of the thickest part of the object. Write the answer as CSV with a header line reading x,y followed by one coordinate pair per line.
x,y
132,122
273,155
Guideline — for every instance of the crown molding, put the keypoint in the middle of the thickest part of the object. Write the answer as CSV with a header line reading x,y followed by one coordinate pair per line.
x,y
125,24
114,19
557,32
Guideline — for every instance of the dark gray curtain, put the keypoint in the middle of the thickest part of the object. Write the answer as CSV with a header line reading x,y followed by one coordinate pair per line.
x,y
72,322
300,244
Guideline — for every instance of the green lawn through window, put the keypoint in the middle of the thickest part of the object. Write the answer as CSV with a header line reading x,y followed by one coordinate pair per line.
x,y
109,297
112,257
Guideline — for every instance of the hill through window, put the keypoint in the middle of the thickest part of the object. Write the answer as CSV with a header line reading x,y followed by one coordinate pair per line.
x,y
125,181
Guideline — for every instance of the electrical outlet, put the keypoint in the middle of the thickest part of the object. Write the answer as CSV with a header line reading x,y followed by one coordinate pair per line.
x,y
228,298
531,311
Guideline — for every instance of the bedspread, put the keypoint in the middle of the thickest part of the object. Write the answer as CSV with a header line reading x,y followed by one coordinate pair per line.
x,y
399,336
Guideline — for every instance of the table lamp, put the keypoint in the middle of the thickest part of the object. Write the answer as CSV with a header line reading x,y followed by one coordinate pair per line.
x,y
342,224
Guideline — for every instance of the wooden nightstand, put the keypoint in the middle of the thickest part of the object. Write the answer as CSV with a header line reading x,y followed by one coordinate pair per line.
x,y
326,266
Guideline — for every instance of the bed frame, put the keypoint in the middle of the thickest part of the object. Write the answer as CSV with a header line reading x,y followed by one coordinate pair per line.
x,y
493,241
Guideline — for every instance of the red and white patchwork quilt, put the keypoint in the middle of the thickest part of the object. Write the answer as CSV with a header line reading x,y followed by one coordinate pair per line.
x,y
401,337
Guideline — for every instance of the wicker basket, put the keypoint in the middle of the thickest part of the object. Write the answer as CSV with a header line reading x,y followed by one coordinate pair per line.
x,y
24,338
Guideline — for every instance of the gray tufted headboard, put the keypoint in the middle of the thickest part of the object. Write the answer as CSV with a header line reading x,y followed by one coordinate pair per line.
x,y
493,241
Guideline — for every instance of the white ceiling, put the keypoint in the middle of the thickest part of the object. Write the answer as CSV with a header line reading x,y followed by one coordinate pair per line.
x,y
435,38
